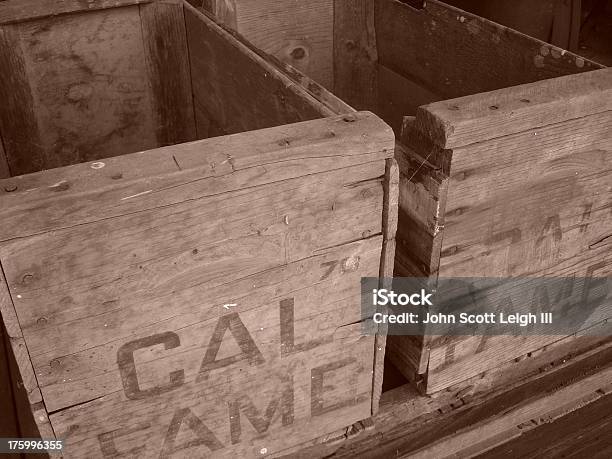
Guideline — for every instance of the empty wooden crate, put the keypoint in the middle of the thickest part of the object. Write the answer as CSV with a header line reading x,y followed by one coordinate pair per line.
x,y
166,295
512,182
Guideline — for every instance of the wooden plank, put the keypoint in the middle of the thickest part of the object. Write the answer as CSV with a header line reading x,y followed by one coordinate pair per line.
x,y
89,91
355,54
389,228
297,33
239,88
251,235
408,421
500,429
132,183
12,11
4,168
442,49
165,47
20,134
508,111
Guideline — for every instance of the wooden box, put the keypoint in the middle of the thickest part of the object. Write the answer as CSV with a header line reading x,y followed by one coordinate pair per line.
x,y
513,182
163,293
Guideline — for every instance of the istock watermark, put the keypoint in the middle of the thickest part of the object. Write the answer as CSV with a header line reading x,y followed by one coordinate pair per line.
x,y
558,306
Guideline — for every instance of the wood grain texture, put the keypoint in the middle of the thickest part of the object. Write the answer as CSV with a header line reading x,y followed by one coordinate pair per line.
x,y
238,88
355,53
131,283
4,168
508,111
20,132
389,229
442,49
89,93
167,58
12,11
408,421
298,33
532,201
55,199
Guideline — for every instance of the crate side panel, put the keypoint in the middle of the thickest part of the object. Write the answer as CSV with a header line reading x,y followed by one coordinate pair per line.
x,y
90,97
83,286
238,89
449,46
532,204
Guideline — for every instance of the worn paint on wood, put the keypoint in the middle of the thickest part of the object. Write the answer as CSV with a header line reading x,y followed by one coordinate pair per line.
x,y
145,346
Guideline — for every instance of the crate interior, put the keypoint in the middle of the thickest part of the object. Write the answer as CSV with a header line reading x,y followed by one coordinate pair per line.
x,y
90,81
394,56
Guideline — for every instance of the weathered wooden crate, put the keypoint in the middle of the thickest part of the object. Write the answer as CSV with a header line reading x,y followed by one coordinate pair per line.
x,y
199,297
512,182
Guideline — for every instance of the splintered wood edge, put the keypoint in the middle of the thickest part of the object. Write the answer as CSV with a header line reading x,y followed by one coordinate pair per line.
x,y
12,11
466,120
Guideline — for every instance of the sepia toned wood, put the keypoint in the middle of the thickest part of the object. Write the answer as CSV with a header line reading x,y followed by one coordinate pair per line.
x,y
399,97
239,89
53,199
297,33
12,11
80,101
442,48
407,421
389,229
20,134
505,200
480,117
355,54
165,47
8,420
4,168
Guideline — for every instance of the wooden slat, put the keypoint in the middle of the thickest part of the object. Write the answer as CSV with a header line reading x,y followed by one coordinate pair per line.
x,y
355,54
4,168
238,88
12,11
55,199
389,228
442,49
508,111
498,430
408,421
165,46
20,133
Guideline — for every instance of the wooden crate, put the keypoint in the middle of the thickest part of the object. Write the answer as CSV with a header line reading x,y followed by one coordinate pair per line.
x,y
493,183
199,297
